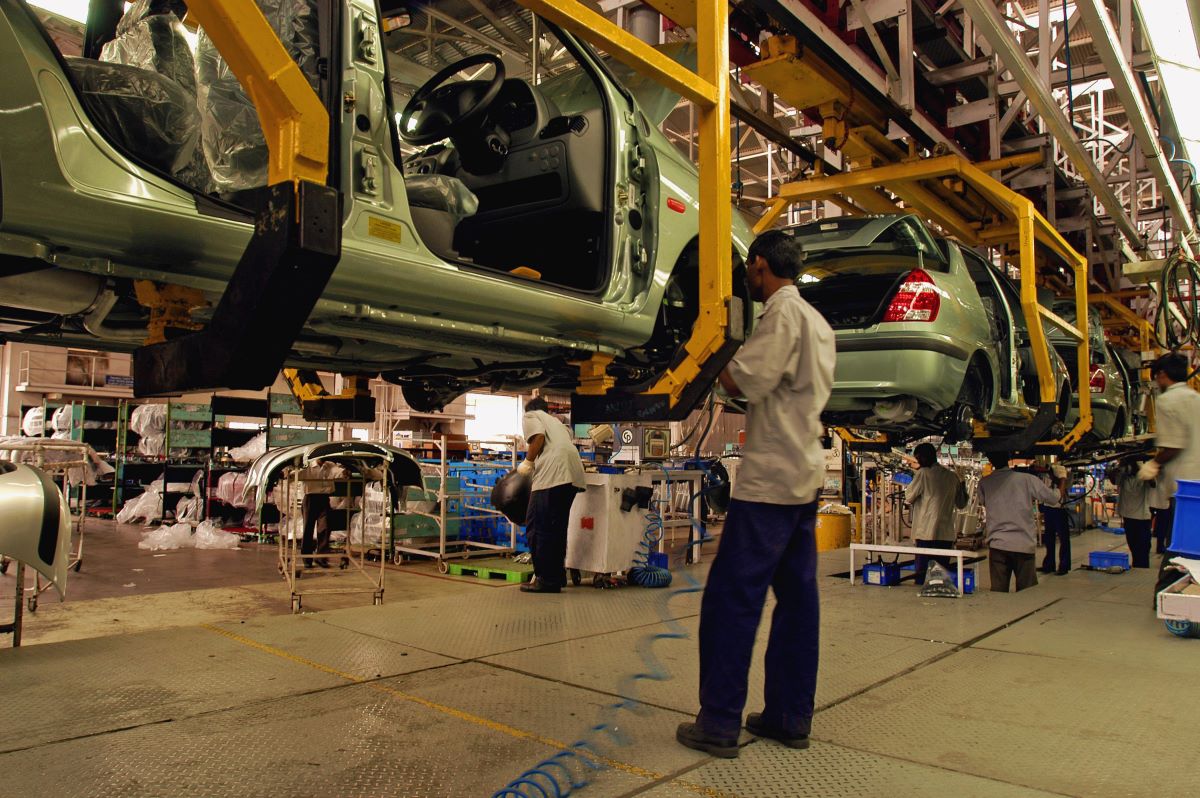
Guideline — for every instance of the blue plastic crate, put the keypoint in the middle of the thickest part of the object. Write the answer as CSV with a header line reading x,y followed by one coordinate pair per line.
x,y
1185,534
968,579
1108,559
882,574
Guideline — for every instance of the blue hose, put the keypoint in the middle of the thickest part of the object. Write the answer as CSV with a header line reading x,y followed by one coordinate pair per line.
x,y
575,764
643,573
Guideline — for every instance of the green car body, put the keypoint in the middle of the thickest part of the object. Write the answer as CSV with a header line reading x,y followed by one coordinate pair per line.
x,y
1112,382
907,370
82,218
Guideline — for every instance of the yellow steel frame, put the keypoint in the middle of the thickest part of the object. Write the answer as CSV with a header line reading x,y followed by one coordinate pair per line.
x,y
294,121
708,88
1013,220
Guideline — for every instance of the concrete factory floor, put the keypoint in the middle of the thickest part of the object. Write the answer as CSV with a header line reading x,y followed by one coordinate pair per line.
x,y
454,687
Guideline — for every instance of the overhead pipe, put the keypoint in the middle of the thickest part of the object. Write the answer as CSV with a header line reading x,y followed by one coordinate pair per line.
x,y
988,21
1104,39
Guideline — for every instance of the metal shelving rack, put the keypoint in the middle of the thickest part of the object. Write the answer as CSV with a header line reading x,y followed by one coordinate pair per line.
x,y
443,550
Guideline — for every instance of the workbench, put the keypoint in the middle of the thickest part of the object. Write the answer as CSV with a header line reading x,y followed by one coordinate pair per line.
x,y
959,554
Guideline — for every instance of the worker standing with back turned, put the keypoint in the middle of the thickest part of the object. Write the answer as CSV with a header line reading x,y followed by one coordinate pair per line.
x,y
1008,497
557,476
785,372
934,493
1177,436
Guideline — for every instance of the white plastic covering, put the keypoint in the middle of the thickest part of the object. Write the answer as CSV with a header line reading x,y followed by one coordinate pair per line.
x,y
253,449
34,423
210,536
229,490
61,420
151,445
148,419
175,536
146,507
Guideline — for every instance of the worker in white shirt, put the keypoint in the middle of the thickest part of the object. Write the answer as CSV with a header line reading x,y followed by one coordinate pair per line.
x,y
1177,437
785,372
1008,498
557,477
934,493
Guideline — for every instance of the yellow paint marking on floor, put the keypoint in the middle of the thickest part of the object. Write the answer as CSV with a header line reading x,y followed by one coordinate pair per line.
x,y
493,725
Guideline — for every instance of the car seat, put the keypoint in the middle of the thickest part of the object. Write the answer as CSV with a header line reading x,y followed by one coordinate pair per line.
x,y
438,203
141,93
234,146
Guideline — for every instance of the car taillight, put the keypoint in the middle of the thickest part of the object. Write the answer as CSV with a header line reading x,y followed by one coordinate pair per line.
x,y
1098,381
917,299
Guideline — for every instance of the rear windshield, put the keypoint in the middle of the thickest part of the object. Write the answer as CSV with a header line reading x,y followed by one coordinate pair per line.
x,y
853,291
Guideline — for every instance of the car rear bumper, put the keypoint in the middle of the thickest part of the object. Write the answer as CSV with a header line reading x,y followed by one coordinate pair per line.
x,y
929,368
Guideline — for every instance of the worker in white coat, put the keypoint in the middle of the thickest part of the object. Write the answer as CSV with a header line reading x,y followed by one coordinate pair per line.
x,y
934,493
785,372
557,477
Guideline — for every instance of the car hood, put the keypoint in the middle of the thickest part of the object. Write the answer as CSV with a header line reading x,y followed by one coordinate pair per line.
x,y
265,471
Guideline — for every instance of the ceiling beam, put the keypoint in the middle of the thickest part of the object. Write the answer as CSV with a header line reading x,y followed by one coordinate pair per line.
x,y
1108,47
992,26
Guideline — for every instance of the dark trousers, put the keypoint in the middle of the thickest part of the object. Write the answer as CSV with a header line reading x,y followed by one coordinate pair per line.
x,y
1164,520
1056,529
315,507
922,561
1005,564
762,545
1137,538
546,531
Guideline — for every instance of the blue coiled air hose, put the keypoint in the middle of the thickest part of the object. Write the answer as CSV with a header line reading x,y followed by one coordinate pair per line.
x,y
570,769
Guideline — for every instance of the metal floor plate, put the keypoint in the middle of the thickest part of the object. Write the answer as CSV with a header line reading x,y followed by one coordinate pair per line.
x,y
767,770
509,620
850,661
63,690
1059,725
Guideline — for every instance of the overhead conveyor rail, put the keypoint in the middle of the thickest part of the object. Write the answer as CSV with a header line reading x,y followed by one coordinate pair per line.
x,y
718,329
962,199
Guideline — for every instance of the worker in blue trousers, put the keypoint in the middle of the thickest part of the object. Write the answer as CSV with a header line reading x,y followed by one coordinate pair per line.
x,y
785,372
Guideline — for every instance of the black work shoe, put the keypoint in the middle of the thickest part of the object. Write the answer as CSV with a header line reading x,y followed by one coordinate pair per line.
x,y
1046,569
688,734
538,587
756,726
1062,573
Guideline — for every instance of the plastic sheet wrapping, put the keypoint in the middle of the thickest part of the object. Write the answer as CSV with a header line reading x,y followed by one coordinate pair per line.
x,y
150,36
209,536
143,112
189,510
443,193
233,142
147,508
34,423
175,536
230,488
147,419
61,420
253,449
151,445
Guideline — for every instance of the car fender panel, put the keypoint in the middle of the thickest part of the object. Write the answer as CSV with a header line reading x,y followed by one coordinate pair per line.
x,y
35,522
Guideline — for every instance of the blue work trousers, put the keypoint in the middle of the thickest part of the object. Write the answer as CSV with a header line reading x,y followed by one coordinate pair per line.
x,y
762,545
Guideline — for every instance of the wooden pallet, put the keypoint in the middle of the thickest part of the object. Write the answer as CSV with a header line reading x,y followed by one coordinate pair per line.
x,y
492,569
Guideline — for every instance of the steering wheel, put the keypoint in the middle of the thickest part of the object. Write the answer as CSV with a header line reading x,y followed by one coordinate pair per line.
x,y
442,110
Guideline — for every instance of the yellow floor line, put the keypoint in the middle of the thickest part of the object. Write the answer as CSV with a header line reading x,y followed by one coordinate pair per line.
x,y
493,725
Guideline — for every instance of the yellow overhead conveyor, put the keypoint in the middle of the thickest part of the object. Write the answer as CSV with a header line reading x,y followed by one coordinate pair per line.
x,y
718,328
965,201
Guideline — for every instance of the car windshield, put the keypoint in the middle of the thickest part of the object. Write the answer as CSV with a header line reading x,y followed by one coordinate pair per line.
x,y
868,244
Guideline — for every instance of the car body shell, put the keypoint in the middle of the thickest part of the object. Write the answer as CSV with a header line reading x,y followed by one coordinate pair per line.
x,y
74,201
